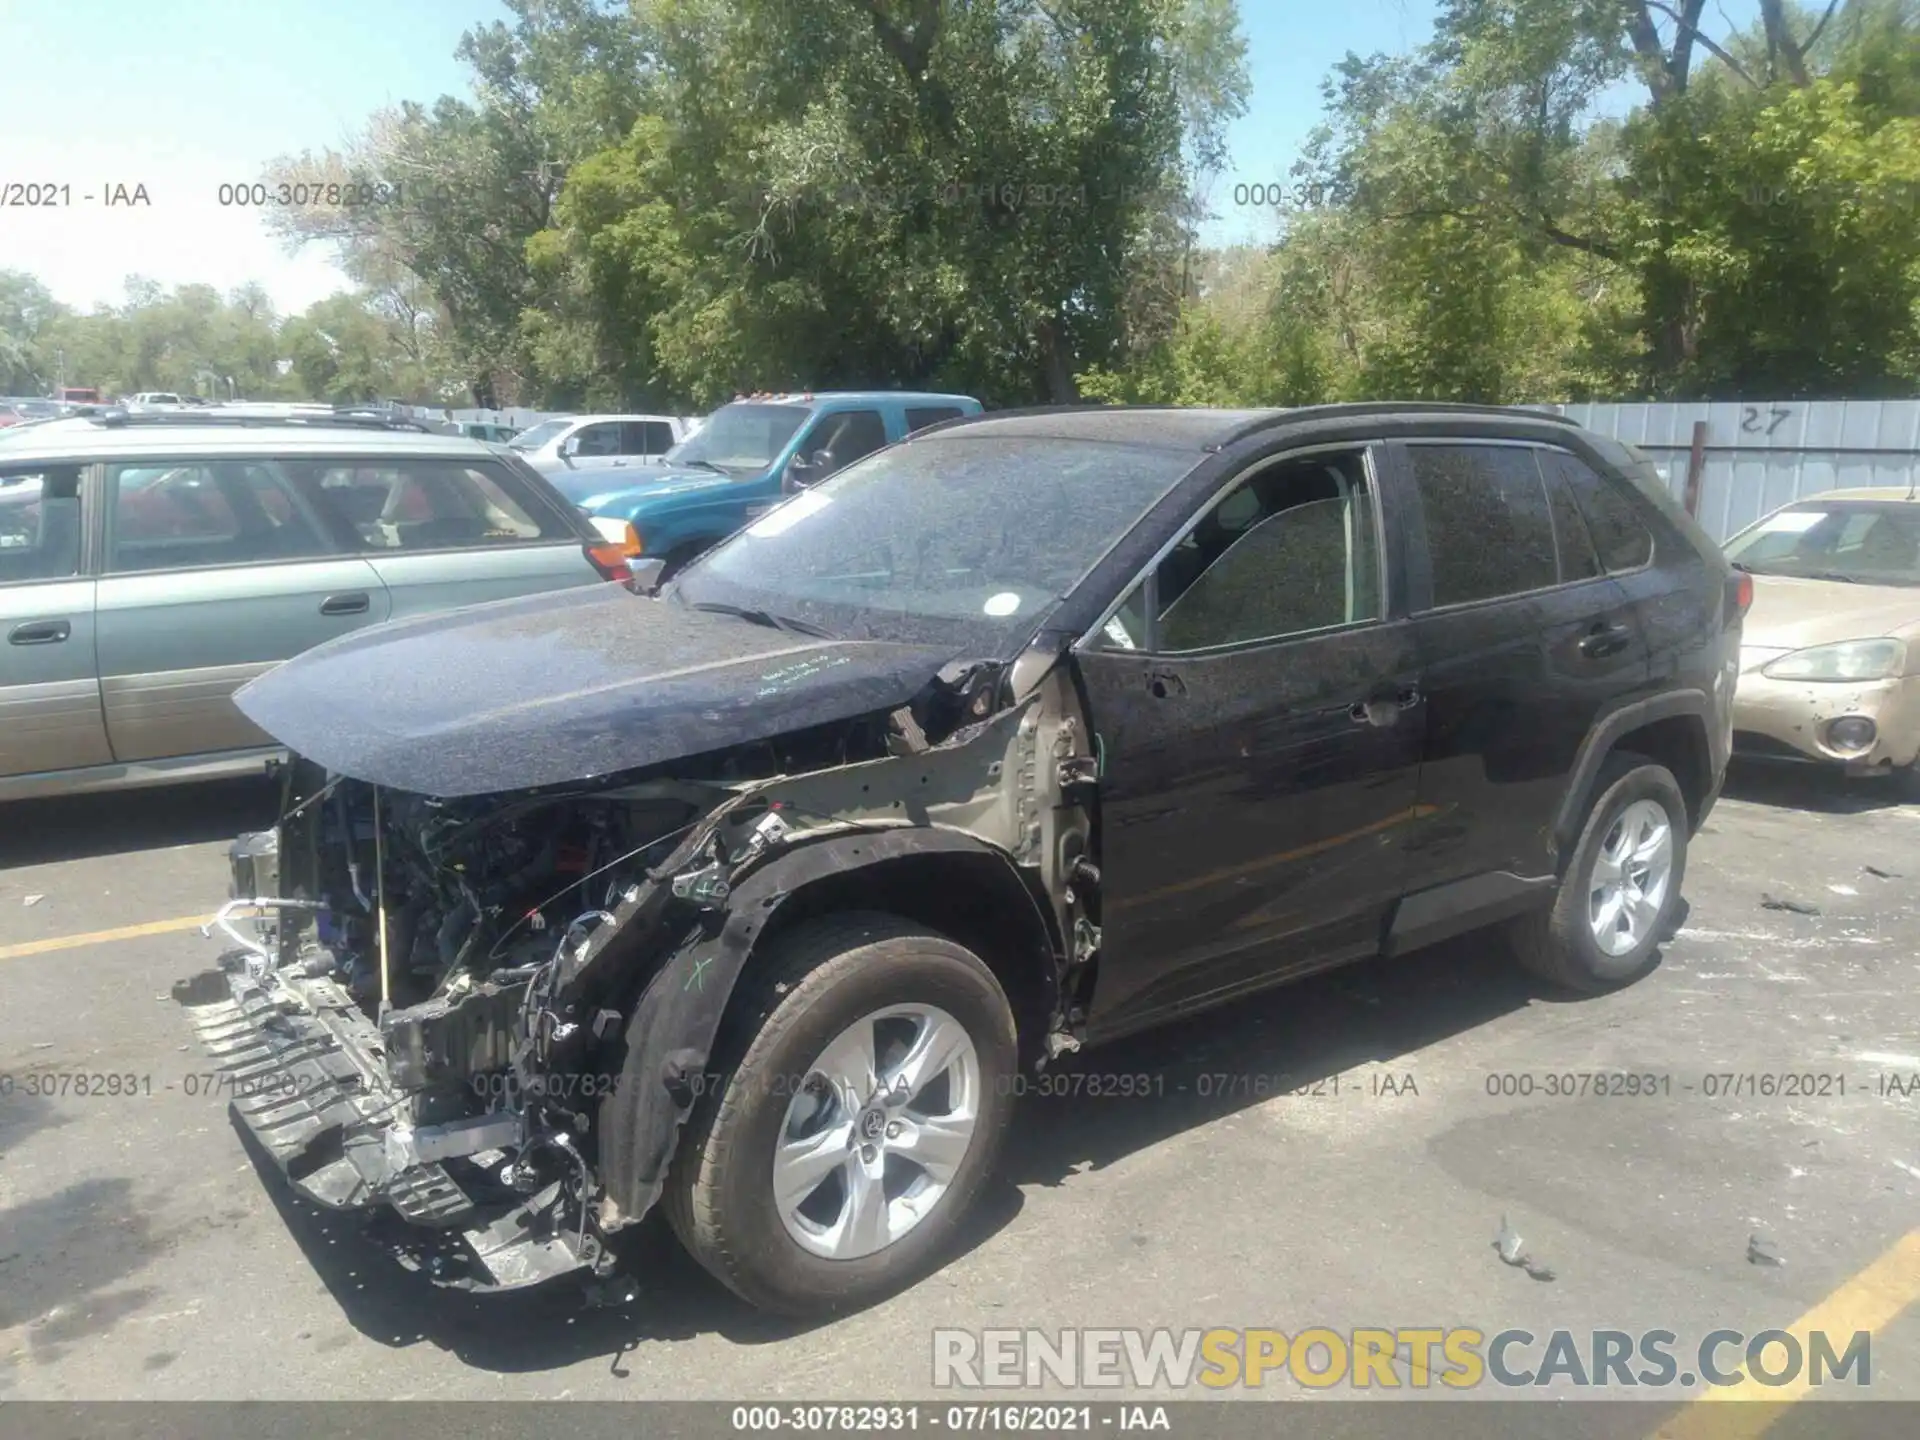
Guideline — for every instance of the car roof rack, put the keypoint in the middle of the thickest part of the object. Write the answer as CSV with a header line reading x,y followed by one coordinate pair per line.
x,y
1361,408
364,417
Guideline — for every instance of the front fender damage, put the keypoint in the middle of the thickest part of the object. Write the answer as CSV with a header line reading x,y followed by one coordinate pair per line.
x,y
429,1034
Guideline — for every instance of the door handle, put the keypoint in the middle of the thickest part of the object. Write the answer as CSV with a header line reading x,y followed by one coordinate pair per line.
x,y
354,604
40,632
1383,707
1163,683
1604,640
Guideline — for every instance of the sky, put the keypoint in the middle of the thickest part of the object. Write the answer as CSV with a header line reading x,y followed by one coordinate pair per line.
x,y
196,93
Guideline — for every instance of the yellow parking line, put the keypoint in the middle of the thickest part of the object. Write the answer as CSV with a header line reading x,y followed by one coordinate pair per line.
x,y
1870,1301
101,937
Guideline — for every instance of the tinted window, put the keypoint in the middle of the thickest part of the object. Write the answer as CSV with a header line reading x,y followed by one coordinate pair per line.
x,y
1488,528
1619,534
1577,560
649,437
847,436
39,524
1291,551
236,512
919,417
601,439
427,505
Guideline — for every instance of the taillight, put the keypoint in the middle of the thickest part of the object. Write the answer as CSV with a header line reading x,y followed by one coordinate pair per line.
x,y
1740,592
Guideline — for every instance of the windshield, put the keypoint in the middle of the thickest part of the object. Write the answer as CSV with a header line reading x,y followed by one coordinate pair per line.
x,y
744,436
539,435
955,539
1866,542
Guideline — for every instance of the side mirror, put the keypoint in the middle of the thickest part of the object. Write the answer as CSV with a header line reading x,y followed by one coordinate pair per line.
x,y
646,573
570,447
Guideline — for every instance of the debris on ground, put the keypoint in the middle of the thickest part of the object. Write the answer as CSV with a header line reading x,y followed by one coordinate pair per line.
x,y
1843,889
1761,1251
1796,907
1512,1251
1878,873
33,900
1508,1243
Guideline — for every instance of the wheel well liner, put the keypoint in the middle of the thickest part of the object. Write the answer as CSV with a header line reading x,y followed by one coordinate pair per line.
x,y
677,1024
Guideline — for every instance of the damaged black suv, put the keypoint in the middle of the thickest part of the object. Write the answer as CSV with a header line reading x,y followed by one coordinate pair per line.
x,y
750,898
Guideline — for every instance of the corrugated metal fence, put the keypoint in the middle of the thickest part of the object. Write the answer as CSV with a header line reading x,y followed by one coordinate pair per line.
x,y
1759,456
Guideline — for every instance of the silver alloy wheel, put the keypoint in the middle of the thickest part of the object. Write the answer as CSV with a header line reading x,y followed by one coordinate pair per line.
x,y
876,1131
1628,888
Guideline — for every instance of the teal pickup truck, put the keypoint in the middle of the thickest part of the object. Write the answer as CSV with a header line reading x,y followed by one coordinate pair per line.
x,y
745,457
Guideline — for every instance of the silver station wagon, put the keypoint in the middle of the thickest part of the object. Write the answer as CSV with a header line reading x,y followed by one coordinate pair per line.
x,y
152,564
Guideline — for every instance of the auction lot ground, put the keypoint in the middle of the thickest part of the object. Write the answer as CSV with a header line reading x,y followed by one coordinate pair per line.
x,y
142,1254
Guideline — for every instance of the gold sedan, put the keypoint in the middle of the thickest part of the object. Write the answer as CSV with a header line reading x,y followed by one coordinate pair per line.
x,y
1830,658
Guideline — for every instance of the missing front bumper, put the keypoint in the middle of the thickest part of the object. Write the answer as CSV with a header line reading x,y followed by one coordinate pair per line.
x,y
306,1071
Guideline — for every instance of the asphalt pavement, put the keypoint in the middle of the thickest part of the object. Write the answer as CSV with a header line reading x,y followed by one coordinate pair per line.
x,y
1342,1153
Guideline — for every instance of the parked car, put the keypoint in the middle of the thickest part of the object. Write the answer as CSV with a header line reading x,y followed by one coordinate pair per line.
x,y
746,456
149,565
754,898
576,445
492,434
154,400
11,415
1830,669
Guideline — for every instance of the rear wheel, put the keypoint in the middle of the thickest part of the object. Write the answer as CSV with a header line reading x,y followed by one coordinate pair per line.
x,y
861,1117
1620,895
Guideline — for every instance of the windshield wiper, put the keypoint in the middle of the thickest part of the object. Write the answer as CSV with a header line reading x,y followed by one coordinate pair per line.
x,y
1834,575
705,465
761,617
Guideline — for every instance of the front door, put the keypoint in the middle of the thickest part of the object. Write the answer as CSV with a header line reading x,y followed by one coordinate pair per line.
x,y
1258,723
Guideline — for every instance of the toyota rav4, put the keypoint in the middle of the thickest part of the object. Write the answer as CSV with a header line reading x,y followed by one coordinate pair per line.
x,y
750,898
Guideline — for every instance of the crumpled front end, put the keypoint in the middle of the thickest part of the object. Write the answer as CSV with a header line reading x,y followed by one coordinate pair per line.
x,y
485,1017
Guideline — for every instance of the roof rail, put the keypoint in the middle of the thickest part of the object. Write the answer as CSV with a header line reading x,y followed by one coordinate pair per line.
x,y
1361,408
351,417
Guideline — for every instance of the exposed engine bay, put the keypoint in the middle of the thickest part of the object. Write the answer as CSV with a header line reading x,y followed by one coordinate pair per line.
x,y
488,1016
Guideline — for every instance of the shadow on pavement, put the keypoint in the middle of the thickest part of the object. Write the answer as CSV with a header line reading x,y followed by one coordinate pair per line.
x,y
77,827
1297,1036
1810,787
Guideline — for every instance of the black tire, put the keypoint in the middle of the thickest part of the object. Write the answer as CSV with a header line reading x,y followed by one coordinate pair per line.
x,y
1558,944
820,979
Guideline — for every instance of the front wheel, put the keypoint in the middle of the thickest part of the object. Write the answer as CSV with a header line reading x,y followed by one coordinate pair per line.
x,y
1621,892
859,1123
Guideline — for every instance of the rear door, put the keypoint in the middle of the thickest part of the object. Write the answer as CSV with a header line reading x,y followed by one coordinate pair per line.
x,y
442,533
50,715
645,441
214,571
1524,642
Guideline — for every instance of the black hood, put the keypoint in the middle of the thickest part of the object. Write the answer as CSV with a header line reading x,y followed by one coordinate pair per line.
x,y
565,686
